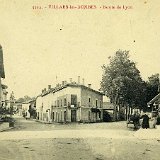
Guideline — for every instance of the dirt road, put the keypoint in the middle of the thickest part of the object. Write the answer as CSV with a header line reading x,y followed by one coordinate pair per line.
x,y
35,141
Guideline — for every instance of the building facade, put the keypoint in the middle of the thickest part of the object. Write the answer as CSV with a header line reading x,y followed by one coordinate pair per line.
x,y
4,95
70,103
154,104
25,109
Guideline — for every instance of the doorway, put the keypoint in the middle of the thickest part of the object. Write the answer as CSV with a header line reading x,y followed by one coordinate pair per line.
x,y
73,115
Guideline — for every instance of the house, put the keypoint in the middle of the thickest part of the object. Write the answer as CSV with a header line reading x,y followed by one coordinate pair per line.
x,y
25,109
32,108
29,108
108,111
70,102
4,102
18,107
154,104
4,95
39,107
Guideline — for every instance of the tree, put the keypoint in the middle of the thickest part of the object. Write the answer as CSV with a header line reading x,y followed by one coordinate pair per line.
x,y
121,81
32,111
24,99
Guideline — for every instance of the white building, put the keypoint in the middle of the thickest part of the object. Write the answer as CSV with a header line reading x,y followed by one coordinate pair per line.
x,y
70,102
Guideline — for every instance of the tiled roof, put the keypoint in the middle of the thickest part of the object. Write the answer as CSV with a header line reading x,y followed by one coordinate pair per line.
x,y
56,89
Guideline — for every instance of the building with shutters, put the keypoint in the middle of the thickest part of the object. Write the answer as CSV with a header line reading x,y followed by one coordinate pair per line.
x,y
70,102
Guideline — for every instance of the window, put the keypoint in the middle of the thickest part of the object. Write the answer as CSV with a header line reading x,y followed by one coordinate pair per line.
x,y
61,102
65,102
55,104
89,101
58,103
89,115
53,116
96,103
74,100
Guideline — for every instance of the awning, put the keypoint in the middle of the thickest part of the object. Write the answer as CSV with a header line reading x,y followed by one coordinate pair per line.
x,y
95,110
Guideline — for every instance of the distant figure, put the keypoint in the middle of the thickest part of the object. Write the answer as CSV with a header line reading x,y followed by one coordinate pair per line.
x,y
153,120
145,122
136,118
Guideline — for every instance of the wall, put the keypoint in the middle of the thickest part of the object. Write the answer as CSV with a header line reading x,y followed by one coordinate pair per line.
x,y
25,108
59,110
55,105
39,104
86,94
87,114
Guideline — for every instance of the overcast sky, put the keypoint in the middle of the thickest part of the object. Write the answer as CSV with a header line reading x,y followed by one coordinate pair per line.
x,y
40,45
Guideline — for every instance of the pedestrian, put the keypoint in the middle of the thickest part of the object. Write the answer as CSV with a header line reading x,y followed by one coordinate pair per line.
x,y
136,118
154,119
145,122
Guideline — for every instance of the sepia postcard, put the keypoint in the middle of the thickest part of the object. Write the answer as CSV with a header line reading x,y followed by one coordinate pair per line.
x,y
79,79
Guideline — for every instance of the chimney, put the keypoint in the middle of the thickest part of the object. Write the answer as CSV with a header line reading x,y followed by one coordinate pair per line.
x,y
49,87
89,85
63,83
57,85
70,80
44,90
83,81
78,79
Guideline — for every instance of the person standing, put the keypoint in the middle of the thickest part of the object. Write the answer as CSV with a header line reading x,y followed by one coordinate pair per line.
x,y
136,118
145,122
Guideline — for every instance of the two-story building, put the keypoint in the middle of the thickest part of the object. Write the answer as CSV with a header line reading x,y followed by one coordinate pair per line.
x,y
70,102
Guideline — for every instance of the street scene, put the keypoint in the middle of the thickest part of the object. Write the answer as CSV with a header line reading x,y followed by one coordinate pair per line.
x,y
79,80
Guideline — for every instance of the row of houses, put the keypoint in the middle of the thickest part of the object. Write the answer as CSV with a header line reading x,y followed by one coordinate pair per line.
x,y
74,102
68,102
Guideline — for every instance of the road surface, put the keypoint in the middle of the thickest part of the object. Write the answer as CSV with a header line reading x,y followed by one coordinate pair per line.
x,y
32,140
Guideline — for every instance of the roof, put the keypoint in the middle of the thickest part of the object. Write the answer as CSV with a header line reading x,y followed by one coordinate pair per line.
x,y
154,99
56,89
84,87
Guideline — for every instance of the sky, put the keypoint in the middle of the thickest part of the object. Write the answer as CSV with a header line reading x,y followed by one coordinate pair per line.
x,y
40,45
